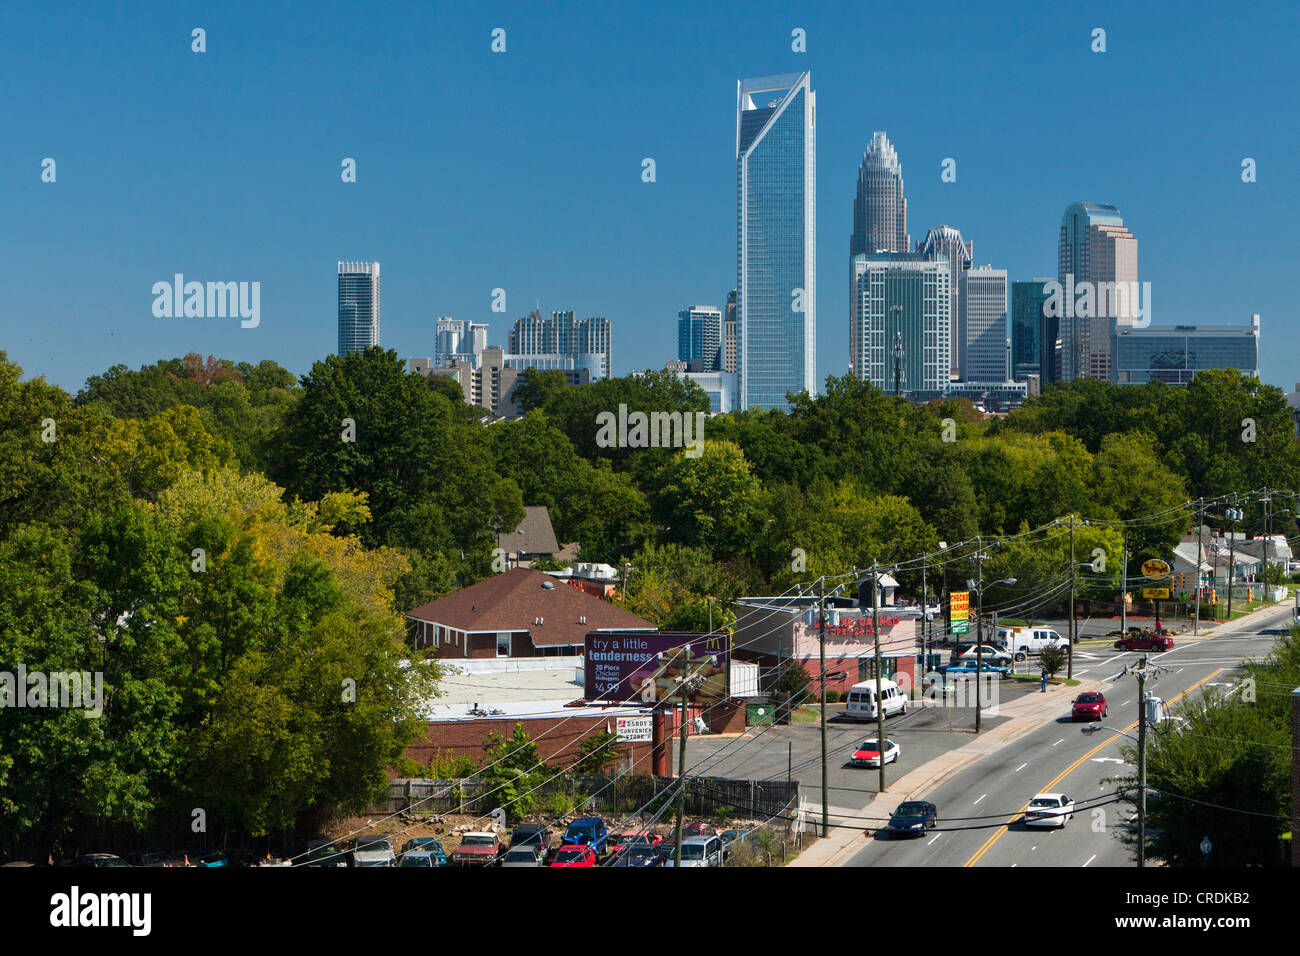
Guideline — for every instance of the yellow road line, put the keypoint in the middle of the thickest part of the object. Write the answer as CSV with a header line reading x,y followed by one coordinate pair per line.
x,y
997,834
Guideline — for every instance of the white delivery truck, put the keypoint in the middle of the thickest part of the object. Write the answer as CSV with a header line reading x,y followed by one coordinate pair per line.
x,y
1031,640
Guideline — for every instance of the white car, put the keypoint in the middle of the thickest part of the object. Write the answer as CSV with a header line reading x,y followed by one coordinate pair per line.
x,y
867,753
1049,810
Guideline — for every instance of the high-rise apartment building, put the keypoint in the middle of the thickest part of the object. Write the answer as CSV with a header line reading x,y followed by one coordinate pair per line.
x,y
899,336
983,325
1097,268
730,336
880,211
699,338
1029,330
946,242
564,335
776,241
358,306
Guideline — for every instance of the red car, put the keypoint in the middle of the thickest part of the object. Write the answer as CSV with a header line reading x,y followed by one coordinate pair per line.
x,y
1145,642
697,829
1089,706
634,838
574,854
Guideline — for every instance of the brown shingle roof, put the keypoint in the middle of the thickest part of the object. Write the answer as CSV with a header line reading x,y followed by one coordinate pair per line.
x,y
514,599
534,534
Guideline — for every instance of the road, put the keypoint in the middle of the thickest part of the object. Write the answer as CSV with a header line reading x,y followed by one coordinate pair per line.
x,y
977,803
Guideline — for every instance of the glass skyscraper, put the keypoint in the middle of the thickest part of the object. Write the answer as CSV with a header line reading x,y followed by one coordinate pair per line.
x,y
880,211
699,338
358,306
776,242
1175,353
1095,247
946,241
1028,332
900,327
983,343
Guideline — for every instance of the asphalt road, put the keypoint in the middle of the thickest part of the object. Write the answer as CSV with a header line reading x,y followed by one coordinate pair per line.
x,y
976,803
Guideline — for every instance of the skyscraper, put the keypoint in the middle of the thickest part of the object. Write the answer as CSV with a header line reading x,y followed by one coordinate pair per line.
x,y
358,306
983,325
776,241
699,338
1029,331
901,298
730,337
458,340
589,339
1095,248
880,211
946,241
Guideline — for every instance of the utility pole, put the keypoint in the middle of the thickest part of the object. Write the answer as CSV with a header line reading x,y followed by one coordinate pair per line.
x,y
1142,762
1074,570
880,704
979,630
826,786
1200,520
681,783
925,619
1123,586
1234,513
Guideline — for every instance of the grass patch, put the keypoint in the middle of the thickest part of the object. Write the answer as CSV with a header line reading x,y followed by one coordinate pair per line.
x,y
805,715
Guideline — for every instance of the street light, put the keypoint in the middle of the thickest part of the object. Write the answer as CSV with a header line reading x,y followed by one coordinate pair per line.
x,y
978,587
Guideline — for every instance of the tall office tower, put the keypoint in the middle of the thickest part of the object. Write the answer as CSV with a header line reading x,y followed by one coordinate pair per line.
x,y
880,211
899,334
1176,353
358,306
983,325
729,334
776,238
458,340
562,335
946,241
1028,331
1095,248
594,335
699,337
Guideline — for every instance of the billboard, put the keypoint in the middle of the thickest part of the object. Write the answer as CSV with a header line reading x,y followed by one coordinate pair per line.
x,y
626,666
635,730
959,606
1156,569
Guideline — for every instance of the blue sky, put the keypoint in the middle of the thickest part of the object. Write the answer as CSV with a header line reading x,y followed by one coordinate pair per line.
x,y
522,170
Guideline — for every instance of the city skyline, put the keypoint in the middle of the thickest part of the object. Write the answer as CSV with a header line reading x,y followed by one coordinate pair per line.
x,y
197,207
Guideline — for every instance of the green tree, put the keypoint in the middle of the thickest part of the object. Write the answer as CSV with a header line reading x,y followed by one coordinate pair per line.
x,y
513,768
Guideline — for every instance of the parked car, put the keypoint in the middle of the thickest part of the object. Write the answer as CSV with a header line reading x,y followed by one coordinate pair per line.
x,y
151,858
861,702
526,854
698,851
913,818
587,831
1049,810
418,858
575,854
99,860
991,655
968,667
731,837
1089,706
428,844
532,834
478,849
373,851
631,838
867,753
640,855
697,829
1145,642
325,853
1030,640
239,857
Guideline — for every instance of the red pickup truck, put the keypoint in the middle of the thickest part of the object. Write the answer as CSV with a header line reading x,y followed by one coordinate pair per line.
x,y
477,849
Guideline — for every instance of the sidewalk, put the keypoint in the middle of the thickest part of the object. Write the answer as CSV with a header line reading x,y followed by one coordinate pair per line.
x,y
1027,714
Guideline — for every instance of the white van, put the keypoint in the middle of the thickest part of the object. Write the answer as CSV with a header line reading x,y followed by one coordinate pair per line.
x,y
862,700
1030,640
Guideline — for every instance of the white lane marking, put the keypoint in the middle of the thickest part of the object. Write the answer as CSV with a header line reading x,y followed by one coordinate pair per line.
x,y
1061,741
1106,760
935,837
1091,858
1084,671
1127,702
982,796
1020,768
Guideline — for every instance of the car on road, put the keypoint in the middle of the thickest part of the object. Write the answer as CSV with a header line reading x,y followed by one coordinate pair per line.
x,y
699,851
1049,810
1090,705
913,818
639,855
861,702
418,858
1145,642
373,851
526,854
1030,640
867,753
431,844
587,831
969,667
478,849
574,854
532,834
991,654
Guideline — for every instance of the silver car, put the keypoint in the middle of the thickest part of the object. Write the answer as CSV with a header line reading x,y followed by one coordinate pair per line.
x,y
528,855
699,851
373,851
